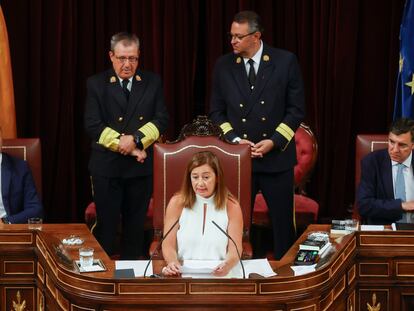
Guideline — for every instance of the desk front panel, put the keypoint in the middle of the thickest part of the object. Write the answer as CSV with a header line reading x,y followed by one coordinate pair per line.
x,y
366,269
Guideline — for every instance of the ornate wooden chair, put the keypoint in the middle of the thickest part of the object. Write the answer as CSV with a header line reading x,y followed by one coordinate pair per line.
x,y
28,149
306,209
170,160
364,144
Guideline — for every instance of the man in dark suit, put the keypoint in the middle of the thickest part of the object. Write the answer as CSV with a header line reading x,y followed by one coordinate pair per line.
x,y
258,99
125,114
381,198
19,200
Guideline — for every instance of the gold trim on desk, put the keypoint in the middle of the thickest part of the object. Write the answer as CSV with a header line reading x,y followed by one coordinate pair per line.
x,y
374,263
236,288
368,240
400,263
29,237
326,275
18,262
80,308
62,301
87,283
182,288
40,272
351,274
305,308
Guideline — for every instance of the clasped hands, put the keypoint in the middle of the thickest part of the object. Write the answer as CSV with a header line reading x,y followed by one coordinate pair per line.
x,y
127,147
260,149
174,269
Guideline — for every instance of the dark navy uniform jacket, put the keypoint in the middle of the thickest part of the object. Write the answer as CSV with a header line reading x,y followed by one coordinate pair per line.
x,y
107,106
274,110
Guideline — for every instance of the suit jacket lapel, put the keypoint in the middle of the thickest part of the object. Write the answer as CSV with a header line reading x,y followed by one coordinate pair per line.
x,y
387,176
264,73
5,181
266,68
240,76
115,90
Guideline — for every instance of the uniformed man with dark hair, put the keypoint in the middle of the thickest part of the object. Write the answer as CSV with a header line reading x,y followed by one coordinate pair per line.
x,y
125,114
258,99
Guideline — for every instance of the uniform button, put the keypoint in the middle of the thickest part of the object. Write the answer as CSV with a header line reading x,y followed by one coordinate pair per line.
x,y
120,119
264,135
262,102
244,135
141,118
263,119
243,120
241,105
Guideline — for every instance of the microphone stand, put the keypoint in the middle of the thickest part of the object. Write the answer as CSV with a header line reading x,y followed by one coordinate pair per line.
x,y
235,245
159,245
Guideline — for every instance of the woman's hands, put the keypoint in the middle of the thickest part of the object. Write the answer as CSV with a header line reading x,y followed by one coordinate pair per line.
x,y
172,269
222,269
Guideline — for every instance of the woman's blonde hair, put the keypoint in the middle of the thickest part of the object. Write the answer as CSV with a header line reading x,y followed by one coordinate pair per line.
x,y
221,191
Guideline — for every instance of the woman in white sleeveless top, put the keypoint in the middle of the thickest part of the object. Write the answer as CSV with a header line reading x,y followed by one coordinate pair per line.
x,y
203,198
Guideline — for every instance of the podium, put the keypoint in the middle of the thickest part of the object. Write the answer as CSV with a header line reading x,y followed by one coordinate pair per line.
x,y
366,268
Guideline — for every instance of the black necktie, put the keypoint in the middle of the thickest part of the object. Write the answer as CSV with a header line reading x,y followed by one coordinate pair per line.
x,y
125,88
252,74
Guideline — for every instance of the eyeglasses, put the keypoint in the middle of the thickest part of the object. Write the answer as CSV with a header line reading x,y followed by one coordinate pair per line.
x,y
239,37
123,59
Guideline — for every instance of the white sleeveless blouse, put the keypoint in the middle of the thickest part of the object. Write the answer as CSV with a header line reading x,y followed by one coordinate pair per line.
x,y
192,242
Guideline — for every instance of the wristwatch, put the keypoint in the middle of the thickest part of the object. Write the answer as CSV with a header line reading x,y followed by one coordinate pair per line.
x,y
5,221
137,141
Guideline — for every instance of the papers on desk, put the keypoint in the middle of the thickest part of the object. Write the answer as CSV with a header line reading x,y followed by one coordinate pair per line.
x,y
300,270
371,228
204,268
137,265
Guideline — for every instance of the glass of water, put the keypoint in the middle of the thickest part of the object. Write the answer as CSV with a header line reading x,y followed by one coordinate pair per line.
x,y
351,225
35,223
85,256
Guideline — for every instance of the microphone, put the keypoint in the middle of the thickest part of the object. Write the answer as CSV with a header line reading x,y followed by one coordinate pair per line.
x,y
235,245
159,245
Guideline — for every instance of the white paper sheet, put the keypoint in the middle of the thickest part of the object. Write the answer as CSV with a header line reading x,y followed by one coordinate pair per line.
x,y
137,265
204,268
259,266
371,228
300,270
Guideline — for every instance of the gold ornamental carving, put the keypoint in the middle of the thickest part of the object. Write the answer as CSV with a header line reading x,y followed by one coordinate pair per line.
x,y
375,306
19,306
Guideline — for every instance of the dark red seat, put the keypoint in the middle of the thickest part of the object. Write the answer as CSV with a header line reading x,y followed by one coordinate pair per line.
x,y
170,160
28,149
306,209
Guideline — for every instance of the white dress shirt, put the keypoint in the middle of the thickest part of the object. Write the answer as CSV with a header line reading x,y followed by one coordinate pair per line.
x,y
256,58
2,209
409,184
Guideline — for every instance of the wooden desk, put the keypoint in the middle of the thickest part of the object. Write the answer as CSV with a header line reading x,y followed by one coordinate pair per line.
x,y
364,264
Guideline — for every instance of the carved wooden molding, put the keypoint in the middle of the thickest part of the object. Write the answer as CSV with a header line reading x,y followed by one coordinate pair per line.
x,y
201,126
